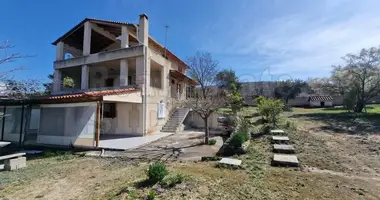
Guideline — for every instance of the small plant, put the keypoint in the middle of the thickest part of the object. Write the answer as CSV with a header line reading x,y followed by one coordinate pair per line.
x,y
151,195
172,180
157,171
212,142
290,125
237,140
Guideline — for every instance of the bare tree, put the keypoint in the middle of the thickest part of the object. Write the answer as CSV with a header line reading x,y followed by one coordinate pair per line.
x,y
204,69
10,87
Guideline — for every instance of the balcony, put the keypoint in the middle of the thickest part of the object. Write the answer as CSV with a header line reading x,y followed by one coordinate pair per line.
x,y
101,57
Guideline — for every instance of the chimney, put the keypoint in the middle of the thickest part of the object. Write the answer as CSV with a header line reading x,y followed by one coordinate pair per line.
x,y
143,34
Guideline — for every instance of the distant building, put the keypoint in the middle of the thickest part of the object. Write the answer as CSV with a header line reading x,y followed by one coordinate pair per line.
x,y
320,101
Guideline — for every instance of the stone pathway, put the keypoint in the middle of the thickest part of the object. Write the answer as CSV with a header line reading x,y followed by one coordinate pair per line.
x,y
284,152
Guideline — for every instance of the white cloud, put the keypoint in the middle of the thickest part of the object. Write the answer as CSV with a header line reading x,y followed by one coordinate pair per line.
x,y
307,42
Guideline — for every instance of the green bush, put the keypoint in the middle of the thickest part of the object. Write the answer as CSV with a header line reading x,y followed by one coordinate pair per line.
x,y
270,109
172,180
157,171
290,125
151,195
212,142
237,140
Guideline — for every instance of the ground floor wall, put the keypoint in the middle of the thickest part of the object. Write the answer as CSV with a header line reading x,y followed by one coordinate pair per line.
x,y
13,117
70,124
128,120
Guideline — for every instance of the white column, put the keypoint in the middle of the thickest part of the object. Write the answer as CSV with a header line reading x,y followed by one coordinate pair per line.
x,y
84,77
87,39
143,29
124,37
60,54
140,72
123,72
57,79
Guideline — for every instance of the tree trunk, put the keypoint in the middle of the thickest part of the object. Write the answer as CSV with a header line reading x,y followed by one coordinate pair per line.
x,y
206,130
359,106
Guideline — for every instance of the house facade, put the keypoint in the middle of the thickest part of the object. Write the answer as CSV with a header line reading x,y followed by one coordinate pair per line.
x,y
123,84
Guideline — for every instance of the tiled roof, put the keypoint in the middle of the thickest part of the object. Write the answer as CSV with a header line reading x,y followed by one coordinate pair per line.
x,y
321,98
90,94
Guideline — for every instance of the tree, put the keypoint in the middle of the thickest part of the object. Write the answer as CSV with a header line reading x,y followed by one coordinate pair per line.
x,y
360,76
234,98
269,109
49,86
15,88
226,78
289,89
204,69
67,82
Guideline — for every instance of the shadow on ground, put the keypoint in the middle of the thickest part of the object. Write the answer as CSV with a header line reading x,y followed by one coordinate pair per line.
x,y
348,123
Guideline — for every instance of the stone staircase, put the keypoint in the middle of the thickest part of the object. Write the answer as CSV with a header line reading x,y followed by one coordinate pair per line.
x,y
174,124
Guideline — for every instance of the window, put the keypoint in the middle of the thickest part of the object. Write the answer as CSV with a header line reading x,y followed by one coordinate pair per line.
x,y
34,118
109,82
109,110
129,80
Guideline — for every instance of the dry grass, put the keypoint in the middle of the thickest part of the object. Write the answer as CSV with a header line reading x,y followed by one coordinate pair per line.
x,y
334,166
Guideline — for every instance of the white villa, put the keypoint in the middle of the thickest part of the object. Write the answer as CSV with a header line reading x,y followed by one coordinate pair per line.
x,y
126,84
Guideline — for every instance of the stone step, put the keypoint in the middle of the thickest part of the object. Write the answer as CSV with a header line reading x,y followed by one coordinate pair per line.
x,y
280,139
285,160
283,148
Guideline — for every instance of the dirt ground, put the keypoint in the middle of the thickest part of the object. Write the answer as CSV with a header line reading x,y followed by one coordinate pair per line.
x,y
334,165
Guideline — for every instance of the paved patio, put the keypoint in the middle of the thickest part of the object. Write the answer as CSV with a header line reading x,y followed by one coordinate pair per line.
x,y
186,145
131,142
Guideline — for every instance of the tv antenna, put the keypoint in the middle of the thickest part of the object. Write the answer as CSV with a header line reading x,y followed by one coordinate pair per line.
x,y
166,37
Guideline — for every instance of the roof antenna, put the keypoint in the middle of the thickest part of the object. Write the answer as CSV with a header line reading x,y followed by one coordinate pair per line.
x,y
166,37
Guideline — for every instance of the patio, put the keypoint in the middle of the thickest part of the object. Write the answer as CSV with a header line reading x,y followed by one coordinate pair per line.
x,y
126,143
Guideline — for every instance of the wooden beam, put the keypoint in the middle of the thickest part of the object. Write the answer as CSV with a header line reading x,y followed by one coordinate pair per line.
x,y
22,122
97,129
2,128
103,32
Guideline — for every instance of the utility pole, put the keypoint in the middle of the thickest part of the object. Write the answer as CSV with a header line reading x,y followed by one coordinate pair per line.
x,y
166,37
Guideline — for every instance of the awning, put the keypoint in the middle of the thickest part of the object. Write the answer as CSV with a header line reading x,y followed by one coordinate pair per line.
x,y
99,95
182,77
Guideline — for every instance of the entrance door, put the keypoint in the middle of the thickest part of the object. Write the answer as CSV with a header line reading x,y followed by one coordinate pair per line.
x,y
322,104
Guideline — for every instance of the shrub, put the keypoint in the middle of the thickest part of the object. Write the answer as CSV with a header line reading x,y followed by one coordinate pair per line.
x,y
172,180
151,195
157,171
290,125
237,140
212,142
269,109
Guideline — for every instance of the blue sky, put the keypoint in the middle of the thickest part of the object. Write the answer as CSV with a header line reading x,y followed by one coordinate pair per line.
x,y
288,38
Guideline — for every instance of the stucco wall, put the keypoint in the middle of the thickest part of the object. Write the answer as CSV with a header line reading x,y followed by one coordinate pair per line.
x,y
193,120
128,120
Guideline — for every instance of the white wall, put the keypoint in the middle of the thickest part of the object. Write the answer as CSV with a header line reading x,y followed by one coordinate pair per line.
x,y
128,120
318,103
194,120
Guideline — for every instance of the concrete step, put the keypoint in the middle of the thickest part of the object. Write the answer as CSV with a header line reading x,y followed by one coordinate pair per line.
x,y
169,130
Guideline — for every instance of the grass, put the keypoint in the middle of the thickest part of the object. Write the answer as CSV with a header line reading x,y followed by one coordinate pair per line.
x,y
335,165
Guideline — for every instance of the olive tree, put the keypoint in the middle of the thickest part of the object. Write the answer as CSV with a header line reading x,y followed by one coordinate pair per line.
x,y
360,76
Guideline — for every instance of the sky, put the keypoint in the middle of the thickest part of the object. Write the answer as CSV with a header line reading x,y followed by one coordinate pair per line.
x,y
259,39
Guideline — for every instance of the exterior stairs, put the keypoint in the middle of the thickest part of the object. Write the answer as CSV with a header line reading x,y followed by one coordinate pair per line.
x,y
174,124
